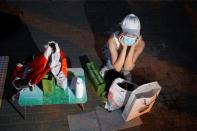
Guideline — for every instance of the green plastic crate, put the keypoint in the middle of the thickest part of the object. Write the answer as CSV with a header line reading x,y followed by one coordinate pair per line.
x,y
96,78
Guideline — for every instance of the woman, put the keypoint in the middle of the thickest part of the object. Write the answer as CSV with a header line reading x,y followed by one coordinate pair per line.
x,y
124,47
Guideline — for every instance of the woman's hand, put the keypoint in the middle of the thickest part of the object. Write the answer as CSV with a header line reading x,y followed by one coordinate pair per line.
x,y
138,40
120,38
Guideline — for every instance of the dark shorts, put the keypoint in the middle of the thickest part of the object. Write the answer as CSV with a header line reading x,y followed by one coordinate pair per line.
x,y
106,56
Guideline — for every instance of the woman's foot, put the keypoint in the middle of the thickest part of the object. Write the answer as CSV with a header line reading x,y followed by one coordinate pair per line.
x,y
103,70
128,77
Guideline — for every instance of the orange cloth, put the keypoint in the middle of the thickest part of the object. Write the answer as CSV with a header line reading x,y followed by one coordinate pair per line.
x,y
39,68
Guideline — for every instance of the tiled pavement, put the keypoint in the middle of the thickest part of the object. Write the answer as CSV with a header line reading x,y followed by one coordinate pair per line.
x,y
169,30
3,71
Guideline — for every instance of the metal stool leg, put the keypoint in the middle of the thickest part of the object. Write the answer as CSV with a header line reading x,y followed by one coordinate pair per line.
x,y
81,106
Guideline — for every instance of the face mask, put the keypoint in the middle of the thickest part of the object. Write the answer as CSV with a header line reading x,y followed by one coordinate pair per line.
x,y
128,40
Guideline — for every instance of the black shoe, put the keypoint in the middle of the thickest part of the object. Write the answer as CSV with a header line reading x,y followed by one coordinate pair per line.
x,y
20,84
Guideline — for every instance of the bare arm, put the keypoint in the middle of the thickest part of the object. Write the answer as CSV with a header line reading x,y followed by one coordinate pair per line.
x,y
133,54
138,51
128,65
117,59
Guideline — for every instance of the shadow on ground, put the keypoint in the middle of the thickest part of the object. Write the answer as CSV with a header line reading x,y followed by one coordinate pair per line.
x,y
168,33
104,18
169,56
17,43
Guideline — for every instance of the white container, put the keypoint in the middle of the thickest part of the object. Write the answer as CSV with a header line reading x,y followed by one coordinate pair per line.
x,y
79,88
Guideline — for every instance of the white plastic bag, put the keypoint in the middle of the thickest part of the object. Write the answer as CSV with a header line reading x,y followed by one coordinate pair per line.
x,y
141,100
117,95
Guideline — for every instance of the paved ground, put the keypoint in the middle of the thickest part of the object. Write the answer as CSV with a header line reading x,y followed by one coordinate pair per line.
x,y
81,28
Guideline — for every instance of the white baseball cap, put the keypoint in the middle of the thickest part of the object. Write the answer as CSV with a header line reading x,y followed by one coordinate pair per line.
x,y
131,25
